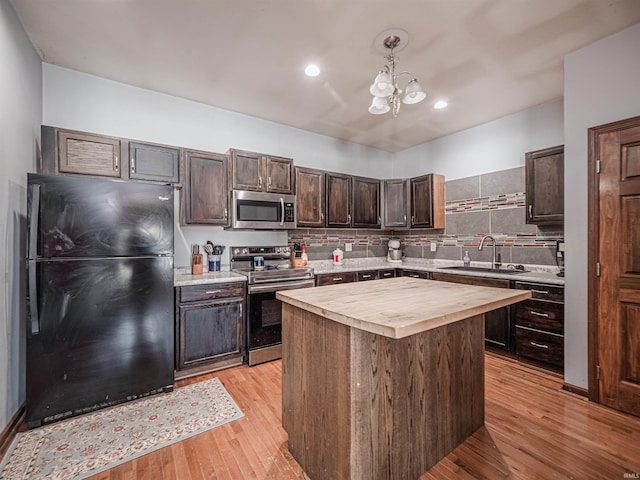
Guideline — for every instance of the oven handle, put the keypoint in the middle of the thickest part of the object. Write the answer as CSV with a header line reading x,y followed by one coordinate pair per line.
x,y
274,287
306,276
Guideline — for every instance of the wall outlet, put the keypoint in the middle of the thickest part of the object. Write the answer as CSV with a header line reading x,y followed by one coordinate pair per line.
x,y
433,246
348,247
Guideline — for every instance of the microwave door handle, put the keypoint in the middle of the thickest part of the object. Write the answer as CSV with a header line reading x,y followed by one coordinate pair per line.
x,y
281,211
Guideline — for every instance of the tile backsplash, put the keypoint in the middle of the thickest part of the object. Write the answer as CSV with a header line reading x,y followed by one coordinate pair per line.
x,y
475,206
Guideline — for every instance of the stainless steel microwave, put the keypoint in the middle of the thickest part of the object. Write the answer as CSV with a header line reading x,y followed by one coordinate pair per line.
x,y
266,211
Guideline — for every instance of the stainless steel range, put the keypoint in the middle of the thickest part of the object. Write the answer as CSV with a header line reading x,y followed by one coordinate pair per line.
x,y
264,311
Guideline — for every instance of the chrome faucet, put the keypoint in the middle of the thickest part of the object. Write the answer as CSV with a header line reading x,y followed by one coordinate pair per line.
x,y
494,265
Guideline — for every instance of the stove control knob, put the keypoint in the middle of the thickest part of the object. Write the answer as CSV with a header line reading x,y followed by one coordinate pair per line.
x,y
236,251
245,251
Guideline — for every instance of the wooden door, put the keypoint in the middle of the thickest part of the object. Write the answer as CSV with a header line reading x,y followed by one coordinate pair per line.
x,y
338,200
544,173
395,203
279,173
618,287
365,195
205,194
247,171
309,197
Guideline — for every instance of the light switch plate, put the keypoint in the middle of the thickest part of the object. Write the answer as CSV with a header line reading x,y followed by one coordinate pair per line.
x,y
433,246
348,247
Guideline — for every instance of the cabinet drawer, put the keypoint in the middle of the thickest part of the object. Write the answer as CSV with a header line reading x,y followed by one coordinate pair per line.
x,y
469,280
542,291
335,278
367,275
196,293
548,316
416,274
387,273
540,346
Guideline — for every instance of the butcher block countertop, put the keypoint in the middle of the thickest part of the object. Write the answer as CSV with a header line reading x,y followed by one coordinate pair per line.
x,y
400,307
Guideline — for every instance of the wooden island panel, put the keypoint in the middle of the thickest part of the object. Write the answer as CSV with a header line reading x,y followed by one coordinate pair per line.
x,y
359,404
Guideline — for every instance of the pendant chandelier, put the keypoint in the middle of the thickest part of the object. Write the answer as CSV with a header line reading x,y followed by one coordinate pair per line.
x,y
387,95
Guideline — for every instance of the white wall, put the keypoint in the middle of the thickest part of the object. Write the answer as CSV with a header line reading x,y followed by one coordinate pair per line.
x,y
601,86
20,117
84,102
493,146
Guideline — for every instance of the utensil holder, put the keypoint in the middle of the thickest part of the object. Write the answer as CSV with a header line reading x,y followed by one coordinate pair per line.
x,y
214,263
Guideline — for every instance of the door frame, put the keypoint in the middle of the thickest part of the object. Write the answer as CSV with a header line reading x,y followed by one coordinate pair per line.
x,y
593,247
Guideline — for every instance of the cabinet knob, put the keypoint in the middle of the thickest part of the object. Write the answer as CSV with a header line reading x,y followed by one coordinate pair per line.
x,y
530,212
412,220
349,218
133,165
116,165
269,181
225,213
260,181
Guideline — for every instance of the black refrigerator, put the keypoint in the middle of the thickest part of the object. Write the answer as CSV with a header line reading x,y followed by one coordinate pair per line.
x,y
99,294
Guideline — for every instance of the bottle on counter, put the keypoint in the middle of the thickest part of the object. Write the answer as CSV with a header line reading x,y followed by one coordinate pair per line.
x,y
337,256
304,257
466,260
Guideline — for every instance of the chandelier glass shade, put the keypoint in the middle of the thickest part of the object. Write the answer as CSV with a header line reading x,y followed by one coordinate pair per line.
x,y
387,95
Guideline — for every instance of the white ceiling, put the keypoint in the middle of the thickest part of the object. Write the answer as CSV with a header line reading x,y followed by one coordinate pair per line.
x,y
487,58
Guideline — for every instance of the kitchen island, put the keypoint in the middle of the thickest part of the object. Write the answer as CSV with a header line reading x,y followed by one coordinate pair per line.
x,y
382,379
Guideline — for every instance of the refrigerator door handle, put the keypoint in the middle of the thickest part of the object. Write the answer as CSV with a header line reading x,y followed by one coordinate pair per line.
x,y
33,298
34,210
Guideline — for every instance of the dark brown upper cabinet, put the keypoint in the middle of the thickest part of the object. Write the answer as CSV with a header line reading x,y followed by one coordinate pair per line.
x,y
365,202
544,178
395,203
154,162
427,201
352,201
338,189
261,173
205,198
309,197
68,152
80,153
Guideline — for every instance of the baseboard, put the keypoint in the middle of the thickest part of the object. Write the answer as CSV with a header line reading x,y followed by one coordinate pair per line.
x,y
583,392
9,433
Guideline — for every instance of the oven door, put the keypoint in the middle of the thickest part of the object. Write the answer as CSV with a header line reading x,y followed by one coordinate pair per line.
x,y
264,316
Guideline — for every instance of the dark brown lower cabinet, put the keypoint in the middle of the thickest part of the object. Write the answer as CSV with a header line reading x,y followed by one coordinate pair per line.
x,y
414,274
335,278
497,323
209,327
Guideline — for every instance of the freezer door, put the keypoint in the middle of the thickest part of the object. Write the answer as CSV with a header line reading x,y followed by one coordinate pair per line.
x,y
79,217
105,335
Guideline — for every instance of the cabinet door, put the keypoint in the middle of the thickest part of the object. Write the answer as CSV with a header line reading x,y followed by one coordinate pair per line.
x,y
279,173
497,323
310,197
544,174
88,154
205,194
247,171
395,203
427,201
154,162
338,200
365,195
209,333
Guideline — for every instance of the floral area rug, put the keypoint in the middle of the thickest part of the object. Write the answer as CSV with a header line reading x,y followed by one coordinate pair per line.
x,y
83,446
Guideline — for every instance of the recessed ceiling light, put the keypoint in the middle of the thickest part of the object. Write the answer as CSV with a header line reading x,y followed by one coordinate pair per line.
x,y
440,104
312,70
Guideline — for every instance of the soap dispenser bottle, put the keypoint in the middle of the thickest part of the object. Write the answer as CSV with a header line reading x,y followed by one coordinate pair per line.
x,y
305,258
466,260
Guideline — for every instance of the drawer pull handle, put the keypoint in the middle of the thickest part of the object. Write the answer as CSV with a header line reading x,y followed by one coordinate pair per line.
x,y
414,275
209,292
541,292
337,279
366,276
538,314
539,345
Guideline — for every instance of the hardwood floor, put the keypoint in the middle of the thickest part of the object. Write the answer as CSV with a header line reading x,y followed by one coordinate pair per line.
x,y
533,430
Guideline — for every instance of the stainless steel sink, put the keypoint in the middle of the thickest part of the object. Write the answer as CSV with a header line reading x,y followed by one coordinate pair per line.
x,y
505,271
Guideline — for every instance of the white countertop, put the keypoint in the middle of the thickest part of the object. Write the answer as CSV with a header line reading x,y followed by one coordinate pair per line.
x,y
183,277
536,273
